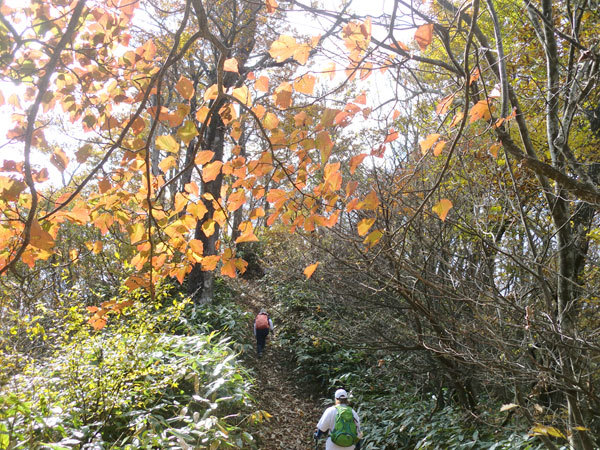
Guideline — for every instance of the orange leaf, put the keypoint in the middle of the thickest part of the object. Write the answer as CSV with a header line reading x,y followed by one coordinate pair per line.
x,y
355,161
481,110
283,48
437,150
364,225
185,88
168,163
444,104
392,136
283,95
204,157
236,200
211,171
442,208
474,76
228,268
59,159
370,202
271,6
493,150
424,35
231,65
210,262
308,271
39,238
428,142
97,322
324,144
306,84
262,84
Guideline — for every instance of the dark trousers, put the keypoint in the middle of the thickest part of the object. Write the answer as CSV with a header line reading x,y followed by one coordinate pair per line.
x,y
261,340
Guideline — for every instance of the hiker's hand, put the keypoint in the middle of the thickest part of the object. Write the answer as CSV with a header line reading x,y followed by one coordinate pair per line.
x,y
316,436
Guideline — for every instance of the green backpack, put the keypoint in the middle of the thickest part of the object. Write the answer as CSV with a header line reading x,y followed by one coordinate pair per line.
x,y
344,431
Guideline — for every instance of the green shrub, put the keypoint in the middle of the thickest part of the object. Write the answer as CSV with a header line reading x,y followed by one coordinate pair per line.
x,y
148,379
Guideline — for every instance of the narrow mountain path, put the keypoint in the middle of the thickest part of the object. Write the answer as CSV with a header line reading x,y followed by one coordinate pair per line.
x,y
294,411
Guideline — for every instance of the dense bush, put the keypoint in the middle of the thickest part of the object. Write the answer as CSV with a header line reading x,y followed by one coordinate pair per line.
x,y
396,412
150,379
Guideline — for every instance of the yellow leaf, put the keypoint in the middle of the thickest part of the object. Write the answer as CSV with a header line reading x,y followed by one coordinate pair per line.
x,y
428,142
508,407
185,88
137,232
208,228
211,93
167,143
442,208
546,430
270,122
373,238
168,163
243,95
308,271
364,226
457,118
231,65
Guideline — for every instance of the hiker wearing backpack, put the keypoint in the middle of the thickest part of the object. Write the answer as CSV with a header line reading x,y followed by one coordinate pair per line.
x,y
342,423
262,325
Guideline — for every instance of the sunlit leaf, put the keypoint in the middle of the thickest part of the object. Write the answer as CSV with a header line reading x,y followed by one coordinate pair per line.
x,y
355,161
306,84
262,84
442,207
271,6
185,88
428,142
308,271
204,157
444,104
231,65
364,225
167,143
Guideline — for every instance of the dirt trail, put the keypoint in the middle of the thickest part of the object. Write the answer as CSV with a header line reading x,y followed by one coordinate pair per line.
x,y
294,412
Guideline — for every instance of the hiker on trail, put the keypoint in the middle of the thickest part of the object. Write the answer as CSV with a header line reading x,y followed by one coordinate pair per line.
x,y
342,423
262,325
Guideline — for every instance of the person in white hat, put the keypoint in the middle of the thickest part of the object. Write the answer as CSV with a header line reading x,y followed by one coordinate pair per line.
x,y
328,424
